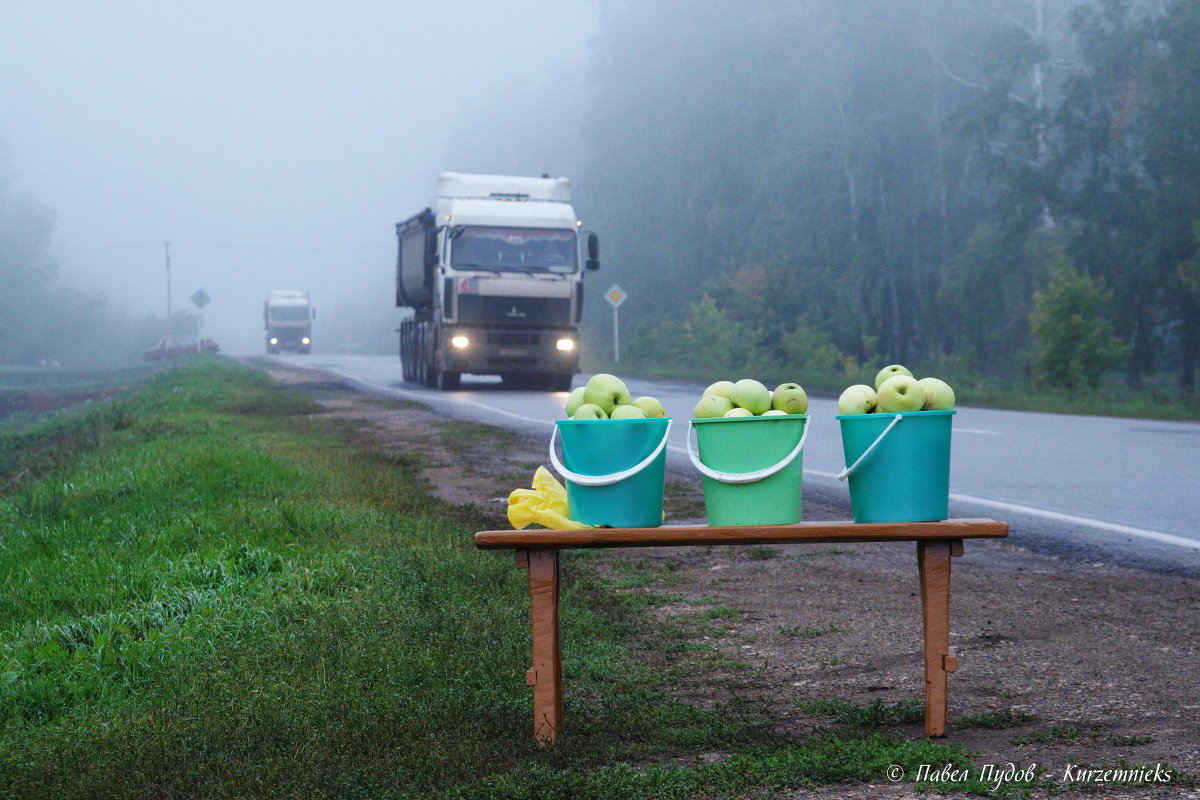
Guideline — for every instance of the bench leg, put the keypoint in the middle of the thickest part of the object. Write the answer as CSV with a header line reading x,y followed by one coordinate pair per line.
x,y
546,675
933,561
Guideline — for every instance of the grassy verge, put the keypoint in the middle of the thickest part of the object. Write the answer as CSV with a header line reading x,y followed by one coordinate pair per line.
x,y
206,592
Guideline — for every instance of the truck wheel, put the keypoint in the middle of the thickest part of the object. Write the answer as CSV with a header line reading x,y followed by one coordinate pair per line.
x,y
448,381
561,382
428,375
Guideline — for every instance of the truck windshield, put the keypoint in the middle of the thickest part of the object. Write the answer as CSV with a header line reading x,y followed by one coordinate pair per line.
x,y
513,249
289,313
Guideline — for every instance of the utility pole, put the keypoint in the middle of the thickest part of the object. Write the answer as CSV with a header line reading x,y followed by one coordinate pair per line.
x,y
167,246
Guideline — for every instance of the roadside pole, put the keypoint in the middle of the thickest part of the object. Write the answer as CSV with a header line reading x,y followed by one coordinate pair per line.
x,y
615,296
167,245
200,299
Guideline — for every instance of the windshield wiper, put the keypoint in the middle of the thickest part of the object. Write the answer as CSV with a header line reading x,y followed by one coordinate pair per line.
x,y
478,267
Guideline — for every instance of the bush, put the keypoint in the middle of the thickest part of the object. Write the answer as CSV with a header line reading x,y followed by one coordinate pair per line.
x,y
1076,344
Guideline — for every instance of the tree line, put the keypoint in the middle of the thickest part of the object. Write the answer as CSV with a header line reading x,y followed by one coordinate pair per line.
x,y
45,321
1003,189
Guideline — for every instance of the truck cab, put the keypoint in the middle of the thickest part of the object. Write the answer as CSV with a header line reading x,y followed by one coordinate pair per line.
x,y
287,317
494,276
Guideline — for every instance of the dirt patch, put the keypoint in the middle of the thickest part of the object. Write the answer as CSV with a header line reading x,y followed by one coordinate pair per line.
x,y
43,402
1070,663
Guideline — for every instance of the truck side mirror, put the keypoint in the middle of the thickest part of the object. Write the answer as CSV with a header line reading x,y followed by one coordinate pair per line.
x,y
314,313
593,248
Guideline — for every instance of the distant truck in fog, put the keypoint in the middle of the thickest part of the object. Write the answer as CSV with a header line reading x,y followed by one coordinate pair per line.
x,y
287,316
494,275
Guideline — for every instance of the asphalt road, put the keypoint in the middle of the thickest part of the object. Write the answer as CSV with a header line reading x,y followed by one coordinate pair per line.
x,y
1099,488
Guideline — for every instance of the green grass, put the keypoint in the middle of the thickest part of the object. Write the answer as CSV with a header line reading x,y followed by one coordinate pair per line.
x,y
1069,734
1005,718
204,592
761,553
871,715
811,632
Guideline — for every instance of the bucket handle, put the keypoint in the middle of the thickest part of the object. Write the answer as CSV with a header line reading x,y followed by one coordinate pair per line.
x,y
846,472
605,480
743,477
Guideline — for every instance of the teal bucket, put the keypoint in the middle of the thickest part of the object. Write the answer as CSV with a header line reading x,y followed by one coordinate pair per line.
x,y
752,468
614,469
899,465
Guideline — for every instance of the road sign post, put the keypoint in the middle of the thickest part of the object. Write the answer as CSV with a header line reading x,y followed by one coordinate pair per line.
x,y
200,299
615,296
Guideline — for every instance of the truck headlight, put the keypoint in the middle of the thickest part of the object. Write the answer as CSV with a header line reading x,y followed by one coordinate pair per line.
x,y
459,341
274,340
305,340
565,344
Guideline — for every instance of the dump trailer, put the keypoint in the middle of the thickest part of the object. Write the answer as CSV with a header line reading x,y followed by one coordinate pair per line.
x,y
288,316
493,273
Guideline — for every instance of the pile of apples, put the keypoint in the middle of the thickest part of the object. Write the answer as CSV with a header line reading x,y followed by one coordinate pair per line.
x,y
897,390
749,398
607,397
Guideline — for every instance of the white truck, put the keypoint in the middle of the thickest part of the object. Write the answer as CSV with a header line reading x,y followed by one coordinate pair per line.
x,y
494,275
287,316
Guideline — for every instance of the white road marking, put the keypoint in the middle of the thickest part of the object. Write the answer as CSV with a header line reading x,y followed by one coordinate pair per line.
x,y
1165,538
1058,516
426,399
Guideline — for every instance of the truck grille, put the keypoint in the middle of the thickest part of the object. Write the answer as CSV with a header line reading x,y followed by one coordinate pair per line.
x,y
511,312
513,338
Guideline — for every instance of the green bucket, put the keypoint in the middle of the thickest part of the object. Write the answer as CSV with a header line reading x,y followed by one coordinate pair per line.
x,y
751,467
899,465
614,470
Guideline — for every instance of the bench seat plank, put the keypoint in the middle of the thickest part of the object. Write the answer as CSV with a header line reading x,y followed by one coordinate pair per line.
x,y
669,535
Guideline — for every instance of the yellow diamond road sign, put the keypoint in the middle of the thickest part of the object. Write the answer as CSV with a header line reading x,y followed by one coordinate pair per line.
x,y
615,296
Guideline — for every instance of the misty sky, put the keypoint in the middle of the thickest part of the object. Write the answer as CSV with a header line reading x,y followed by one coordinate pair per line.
x,y
273,143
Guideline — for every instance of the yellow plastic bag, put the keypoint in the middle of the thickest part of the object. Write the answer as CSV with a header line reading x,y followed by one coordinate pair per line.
x,y
545,504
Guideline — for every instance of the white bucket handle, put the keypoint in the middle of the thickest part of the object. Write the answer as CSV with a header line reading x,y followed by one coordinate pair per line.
x,y
743,477
846,472
605,480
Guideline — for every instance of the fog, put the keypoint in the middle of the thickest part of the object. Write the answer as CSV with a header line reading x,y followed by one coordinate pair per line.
x,y
819,186
273,144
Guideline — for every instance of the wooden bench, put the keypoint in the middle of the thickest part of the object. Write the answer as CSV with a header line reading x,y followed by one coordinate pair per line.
x,y
537,551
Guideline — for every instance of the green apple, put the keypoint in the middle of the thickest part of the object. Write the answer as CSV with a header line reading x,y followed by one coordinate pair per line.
x,y
751,395
737,411
938,395
901,393
774,412
651,406
574,400
627,412
789,398
606,391
712,405
722,388
889,371
857,399
589,411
